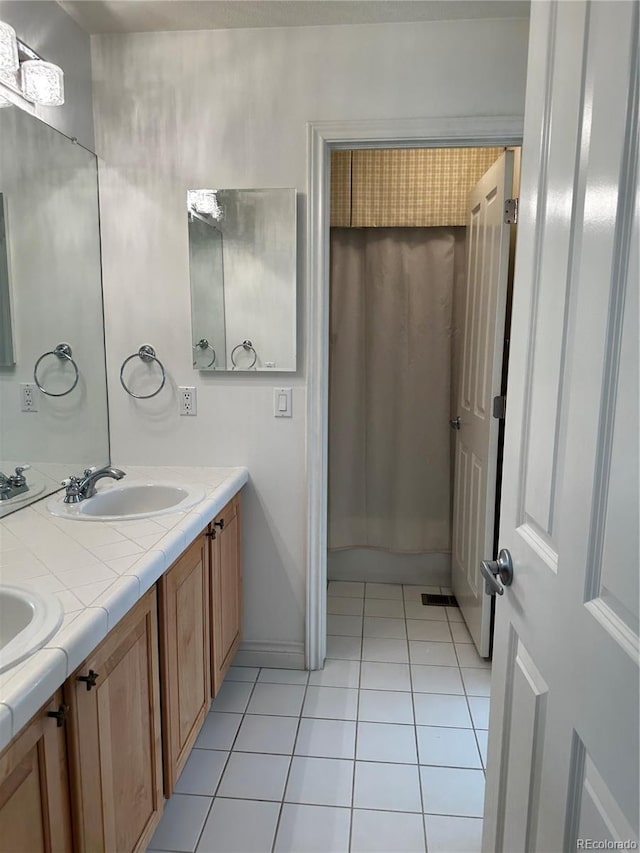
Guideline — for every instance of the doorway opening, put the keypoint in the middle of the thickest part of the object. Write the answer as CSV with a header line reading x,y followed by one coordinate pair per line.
x,y
323,139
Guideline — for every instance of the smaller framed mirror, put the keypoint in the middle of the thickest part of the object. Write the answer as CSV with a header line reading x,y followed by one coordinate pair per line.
x,y
242,266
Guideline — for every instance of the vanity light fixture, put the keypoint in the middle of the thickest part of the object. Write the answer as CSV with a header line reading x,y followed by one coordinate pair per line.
x,y
205,202
24,72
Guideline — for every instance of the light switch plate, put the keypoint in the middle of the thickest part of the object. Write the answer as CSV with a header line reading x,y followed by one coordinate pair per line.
x,y
282,402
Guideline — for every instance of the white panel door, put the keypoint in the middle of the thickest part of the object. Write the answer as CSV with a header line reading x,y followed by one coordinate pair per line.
x,y
563,763
476,450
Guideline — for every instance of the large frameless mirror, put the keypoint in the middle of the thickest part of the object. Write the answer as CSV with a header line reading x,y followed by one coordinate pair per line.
x,y
242,264
53,397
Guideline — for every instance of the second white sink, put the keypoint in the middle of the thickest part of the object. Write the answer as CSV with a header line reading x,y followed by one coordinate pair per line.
x,y
129,502
27,620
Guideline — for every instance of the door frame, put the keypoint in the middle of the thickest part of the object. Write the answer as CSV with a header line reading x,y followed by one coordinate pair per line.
x,y
323,137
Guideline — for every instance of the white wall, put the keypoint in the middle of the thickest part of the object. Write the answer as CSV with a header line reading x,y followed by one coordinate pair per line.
x,y
47,29
229,108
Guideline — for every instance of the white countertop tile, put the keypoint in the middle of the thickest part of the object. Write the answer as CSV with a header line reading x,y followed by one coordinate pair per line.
x,y
99,570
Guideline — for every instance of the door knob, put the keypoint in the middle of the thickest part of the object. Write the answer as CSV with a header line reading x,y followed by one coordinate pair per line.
x,y
455,423
492,569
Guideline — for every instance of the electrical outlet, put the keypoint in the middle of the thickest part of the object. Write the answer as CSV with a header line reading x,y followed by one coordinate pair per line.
x,y
188,400
29,397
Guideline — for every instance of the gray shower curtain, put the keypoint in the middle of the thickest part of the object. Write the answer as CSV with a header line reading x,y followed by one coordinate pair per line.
x,y
390,380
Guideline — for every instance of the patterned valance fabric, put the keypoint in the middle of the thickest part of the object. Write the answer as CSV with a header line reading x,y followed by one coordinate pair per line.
x,y
405,187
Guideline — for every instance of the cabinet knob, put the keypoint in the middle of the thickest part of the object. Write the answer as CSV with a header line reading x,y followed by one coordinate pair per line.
x,y
60,716
219,524
90,679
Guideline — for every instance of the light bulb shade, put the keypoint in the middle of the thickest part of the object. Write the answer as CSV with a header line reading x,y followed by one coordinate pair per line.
x,y
9,62
42,82
204,202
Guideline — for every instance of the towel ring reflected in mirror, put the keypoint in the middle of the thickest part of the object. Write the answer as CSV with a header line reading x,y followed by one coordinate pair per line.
x,y
247,346
147,354
63,352
203,345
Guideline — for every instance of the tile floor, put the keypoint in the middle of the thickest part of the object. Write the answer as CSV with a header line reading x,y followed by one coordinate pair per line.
x,y
383,750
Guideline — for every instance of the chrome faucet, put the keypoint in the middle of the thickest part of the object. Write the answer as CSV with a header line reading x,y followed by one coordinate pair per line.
x,y
80,488
14,484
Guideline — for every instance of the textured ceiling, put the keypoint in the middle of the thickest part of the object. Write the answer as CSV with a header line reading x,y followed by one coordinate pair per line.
x,y
133,16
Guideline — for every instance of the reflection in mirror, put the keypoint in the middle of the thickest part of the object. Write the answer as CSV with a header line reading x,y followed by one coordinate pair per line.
x,y
53,399
242,263
6,324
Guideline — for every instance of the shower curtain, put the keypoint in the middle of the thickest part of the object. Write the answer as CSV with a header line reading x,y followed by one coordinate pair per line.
x,y
390,379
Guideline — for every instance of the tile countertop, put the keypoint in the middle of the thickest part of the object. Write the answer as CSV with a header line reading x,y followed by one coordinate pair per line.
x,y
98,570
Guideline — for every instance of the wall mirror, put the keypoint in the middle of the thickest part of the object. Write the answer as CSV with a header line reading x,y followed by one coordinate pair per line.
x,y
242,264
51,318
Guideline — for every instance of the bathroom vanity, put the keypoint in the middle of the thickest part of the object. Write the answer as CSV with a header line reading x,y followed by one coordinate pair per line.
x,y
96,727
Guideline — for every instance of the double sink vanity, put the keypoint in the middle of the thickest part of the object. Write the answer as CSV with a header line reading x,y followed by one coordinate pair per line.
x,y
97,724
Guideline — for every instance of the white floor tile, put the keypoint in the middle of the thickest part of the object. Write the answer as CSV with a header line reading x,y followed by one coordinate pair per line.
x,y
280,699
334,703
414,593
432,654
453,792
344,626
181,824
448,747
479,712
313,829
336,673
320,781
385,676
436,679
267,734
383,607
233,696
218,731
395,787
326,738
389,591
283,676
454,614
415,610
346,588
202,772
380,706
385,627
427,629
437,709
254,776
381,832
391,651
482,736
242,673
342,605
477,682
460,633
239,826
345,648
453,834
468,656
386,742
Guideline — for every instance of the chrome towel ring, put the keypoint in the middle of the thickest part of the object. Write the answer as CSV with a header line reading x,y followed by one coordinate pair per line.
x,y
147,354
246,346
203,345
63,352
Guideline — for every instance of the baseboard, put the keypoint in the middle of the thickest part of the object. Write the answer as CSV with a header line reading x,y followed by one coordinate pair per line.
x,y
368,564
274,655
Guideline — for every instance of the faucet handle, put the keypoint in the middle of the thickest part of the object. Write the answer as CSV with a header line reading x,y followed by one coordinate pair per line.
x,y
72,494
21,468
18,479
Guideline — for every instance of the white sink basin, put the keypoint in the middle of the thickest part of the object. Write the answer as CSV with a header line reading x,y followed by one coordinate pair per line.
x,y
130,501
27,620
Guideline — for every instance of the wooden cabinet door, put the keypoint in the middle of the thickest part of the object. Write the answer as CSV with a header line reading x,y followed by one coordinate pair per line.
x,y
226,591
184,656
34,788
114,737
